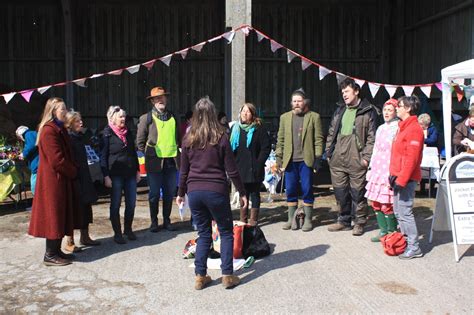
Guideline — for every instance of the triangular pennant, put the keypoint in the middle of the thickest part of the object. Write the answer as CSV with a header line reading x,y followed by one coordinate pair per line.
x,y
260,36
149,64
391,89
374,88
8,97
133,69
97,75
183,53
27,95
359,82
115,72
44,89
80,82
305,64
340,77
198,47
408,89
426,90
457,89
323,72
166,59
274,46
290,55
439,86
229,36
245,30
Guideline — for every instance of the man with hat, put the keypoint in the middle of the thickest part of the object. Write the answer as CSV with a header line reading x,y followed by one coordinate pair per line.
x,y
158,138
30,152
298,151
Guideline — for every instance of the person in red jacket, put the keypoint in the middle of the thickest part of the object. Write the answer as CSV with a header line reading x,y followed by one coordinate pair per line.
x,y
405,171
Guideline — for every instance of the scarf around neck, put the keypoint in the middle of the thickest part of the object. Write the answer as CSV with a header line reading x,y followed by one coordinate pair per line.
x,y
120,132
235,134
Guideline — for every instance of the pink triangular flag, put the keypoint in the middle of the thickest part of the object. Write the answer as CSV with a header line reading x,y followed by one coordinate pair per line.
x,y
133,69
260,36
359,82
27,95
439,86
426,90
245,30
229,36
149,64
166,59
374,88
290,56
97,75
115,72
198,47
391,89
44,89
340,77
305,64
323,72
80,82
274,46
408,89
8,97
183,53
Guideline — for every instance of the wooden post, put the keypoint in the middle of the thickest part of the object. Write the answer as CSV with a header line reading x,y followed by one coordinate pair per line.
x,y
68,51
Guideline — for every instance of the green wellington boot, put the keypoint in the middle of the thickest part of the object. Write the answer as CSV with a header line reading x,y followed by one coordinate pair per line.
x,y
291,214
308,215
382,222
391,222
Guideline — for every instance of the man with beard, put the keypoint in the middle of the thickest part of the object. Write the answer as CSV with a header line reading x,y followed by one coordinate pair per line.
x,y
298,152
349,146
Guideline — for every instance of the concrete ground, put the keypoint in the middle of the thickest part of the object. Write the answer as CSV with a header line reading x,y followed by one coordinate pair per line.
x,y
315,272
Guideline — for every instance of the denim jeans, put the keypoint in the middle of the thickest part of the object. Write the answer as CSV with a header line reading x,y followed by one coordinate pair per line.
x,y
33,183
165,180
403,208
129,186
205,207
297,173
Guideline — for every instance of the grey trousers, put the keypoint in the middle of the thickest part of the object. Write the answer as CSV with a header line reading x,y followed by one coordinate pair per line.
x,y
403,208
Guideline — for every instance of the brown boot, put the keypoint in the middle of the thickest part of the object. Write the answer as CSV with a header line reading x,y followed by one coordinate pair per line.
x,y
51,256
70,246
202,282
254,216
86,239
230,281
243,215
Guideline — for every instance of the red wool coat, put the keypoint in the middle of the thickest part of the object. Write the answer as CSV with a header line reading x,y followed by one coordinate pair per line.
x,y
53,204
407,151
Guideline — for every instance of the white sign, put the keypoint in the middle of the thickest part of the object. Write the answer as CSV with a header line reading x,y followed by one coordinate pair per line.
x,y
464,224
463,197
430,157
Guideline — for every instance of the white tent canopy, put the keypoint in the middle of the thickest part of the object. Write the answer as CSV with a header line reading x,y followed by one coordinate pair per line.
x,y
462,70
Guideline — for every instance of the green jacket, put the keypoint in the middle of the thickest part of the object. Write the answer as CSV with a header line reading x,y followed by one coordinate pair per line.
x,y
312,139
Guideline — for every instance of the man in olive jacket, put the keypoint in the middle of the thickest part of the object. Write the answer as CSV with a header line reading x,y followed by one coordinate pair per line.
x,y
298,151
349,147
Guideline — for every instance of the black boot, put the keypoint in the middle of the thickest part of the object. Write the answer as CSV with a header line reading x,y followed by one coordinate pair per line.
x,y
51,256
167,205
116,226
154,216
128,229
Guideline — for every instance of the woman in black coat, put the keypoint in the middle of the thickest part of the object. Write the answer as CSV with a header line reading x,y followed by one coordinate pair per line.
x,y
84,187
251,146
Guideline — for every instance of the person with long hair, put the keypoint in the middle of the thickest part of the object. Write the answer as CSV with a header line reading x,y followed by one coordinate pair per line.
x,y
206,157
250,143
53,205
119,164
86,194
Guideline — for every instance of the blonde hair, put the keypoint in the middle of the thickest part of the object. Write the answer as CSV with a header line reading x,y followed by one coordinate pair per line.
x,y
113,111
49,114
424,119
205,128
253,111
71,117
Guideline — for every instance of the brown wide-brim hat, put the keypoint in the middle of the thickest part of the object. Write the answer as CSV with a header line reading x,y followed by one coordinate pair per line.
x,y
157,91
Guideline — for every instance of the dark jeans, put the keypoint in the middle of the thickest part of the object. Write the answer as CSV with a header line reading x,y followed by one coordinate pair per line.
x,y
129,186
205,207
166,180
253,194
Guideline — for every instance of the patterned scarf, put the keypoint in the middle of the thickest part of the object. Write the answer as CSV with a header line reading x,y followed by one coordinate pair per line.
x,y
121,133
235,134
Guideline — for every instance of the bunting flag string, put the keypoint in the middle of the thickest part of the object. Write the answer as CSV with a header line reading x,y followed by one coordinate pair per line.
x,y
229,37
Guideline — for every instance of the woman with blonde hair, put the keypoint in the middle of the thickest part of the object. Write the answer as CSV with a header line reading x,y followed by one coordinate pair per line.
x,y
206,157
53,205
119,164
250,143
86,194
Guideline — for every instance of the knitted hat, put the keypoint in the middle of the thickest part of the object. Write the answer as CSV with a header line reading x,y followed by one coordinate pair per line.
x,y
391,101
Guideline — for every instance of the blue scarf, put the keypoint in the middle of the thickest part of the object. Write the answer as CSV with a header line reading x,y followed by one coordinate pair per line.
x,y
235,134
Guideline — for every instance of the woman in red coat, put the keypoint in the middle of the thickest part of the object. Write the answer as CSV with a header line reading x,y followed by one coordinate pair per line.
x,y
53,205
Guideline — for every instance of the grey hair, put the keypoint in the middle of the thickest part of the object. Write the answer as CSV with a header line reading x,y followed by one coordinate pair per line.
x,y
113,111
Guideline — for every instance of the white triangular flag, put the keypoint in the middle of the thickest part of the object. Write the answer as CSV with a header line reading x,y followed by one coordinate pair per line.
x,y
97,75
166,59
245,30
259,36
274,46
323,72
426,90
198,47
229,36
183,53
408,89
290,55
8,97
305,64
44,89
391,89
374,88
80,82
340,77
359,82
133,69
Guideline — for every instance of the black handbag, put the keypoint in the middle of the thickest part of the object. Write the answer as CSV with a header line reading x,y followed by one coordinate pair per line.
x,y
255,244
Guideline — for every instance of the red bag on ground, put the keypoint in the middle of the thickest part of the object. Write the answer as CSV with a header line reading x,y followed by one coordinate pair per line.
x,y
394,244
238,239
